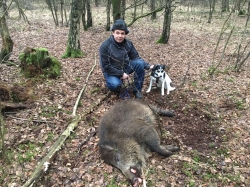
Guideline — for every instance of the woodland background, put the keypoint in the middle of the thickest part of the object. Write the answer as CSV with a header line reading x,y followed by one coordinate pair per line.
x,y
207,50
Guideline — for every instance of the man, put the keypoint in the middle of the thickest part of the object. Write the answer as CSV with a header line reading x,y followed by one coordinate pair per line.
x,y
119,58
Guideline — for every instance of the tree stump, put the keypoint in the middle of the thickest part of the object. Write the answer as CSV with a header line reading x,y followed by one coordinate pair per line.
x,y
37,62
5,93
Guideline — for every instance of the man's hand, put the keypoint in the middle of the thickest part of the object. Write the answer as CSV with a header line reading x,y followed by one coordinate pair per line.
x,y
125,76
151,67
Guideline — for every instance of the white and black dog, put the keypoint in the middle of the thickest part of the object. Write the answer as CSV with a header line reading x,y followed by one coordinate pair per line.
x,y
161,79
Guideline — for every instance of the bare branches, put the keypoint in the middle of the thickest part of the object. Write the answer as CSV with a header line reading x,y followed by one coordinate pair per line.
x,y
145,15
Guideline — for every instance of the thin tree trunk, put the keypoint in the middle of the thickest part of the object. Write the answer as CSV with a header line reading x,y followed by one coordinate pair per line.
x,y
73,45
61,10
123,7
166,23
152,8
84,23
89,14
108,14
53,10
7,43
116,9
211,10
248,11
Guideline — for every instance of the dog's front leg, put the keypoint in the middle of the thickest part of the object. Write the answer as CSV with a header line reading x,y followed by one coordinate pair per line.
x,y
150,86
162,87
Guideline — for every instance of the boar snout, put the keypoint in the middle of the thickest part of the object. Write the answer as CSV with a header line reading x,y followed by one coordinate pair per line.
x,y
136,182
134,176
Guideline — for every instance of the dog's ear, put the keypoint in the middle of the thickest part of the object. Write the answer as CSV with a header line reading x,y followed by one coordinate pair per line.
x,y
155,67
163,66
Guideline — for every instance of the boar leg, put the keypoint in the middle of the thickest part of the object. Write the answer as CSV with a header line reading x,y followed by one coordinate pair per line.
x,y
153,142
161,112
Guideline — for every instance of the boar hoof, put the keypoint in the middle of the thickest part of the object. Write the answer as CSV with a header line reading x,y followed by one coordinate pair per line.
x,y
172,148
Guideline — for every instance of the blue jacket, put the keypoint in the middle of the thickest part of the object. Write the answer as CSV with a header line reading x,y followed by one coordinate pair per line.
x,y
114,56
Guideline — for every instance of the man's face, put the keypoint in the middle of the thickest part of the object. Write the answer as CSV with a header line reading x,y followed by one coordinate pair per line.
x,y
119,35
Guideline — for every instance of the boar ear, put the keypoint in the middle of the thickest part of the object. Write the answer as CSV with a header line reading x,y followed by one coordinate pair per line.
x,y
107,147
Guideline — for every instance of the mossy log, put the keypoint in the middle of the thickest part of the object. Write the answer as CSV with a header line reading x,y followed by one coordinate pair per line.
x,y
37,62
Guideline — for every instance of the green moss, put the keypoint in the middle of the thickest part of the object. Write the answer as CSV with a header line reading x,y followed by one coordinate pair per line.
x,y
55,68
73,53
160,40
38,62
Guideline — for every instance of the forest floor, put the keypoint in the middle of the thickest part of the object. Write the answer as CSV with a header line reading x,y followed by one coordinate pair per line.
x,y
212,112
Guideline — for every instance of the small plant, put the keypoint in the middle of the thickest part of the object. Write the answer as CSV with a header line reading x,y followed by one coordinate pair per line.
x,y
95,90
196,158
239,104
78,79
211,70
194,84
212,145
192,183
50,136
223,151
25,157
112,183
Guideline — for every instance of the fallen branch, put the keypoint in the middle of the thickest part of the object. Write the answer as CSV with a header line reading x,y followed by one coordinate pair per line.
x,y
44,164
38,121
6,105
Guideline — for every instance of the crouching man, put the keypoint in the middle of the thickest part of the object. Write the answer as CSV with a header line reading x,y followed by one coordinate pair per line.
x,y
119,58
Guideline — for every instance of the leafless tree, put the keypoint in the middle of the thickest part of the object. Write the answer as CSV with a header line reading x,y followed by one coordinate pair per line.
x,y
73,45
7,45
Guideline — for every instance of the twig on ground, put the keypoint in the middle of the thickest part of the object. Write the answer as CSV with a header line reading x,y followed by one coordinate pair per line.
x,y
38,121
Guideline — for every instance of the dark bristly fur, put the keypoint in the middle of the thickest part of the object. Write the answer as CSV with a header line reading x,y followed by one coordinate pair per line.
x,y
127,135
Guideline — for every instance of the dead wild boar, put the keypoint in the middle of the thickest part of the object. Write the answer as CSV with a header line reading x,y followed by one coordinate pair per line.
x,y
127,135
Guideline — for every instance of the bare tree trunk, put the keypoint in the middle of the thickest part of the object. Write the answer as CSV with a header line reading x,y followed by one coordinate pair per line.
x,y
224,5
211,10
248,10
108,14
152,8
61,10
116,9
89,14
135,10
53,9
97,2
5,8
73,45
84,22
166,23
123,7
7,43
